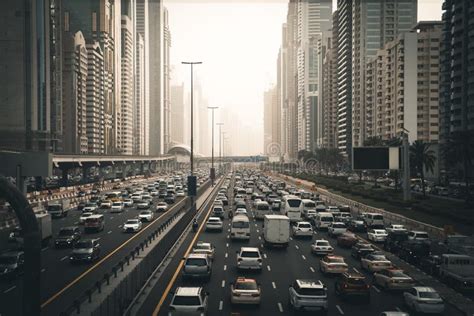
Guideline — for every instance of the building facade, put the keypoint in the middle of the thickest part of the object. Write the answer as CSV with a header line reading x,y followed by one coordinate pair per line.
x,y
177,113
329,94
271,123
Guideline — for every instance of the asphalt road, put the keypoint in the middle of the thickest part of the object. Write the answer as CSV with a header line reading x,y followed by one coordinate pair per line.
x,y
57,272
280,268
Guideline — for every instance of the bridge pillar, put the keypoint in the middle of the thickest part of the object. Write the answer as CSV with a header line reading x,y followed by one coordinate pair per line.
x,y
125,170
39,183
64,178
85,174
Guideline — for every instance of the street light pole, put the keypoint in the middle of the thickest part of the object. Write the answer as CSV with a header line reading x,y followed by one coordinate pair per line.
x,y
223,149
213,172
220,145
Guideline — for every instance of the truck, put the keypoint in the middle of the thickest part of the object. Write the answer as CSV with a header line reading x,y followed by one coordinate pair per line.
x,y
45,230
58,208
276,230
457,271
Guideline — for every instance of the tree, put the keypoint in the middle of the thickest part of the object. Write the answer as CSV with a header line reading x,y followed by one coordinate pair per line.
x,y
422,158
460,146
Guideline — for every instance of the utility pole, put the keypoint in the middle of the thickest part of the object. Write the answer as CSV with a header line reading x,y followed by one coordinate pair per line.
x,y
213,171
406,166
220,145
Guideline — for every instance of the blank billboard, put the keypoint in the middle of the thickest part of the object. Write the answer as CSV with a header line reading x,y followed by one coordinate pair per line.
x,y
375,158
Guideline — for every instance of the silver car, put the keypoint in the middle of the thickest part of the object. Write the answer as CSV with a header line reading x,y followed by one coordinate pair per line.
x,y
197,265
189,301
249,258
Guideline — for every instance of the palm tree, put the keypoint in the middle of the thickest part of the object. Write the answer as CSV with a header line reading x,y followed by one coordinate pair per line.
x,y
423,158
460,146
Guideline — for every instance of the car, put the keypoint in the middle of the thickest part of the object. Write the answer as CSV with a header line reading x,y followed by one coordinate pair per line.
x,y
154,192
84,216
81,205
136,197
361,249
249,258
308,294
333,264
214,223
395,228
11,264
241,211
375,261
90,207
424,299
352,284
143,204
393,279
218,211
127,202
377,235
412,251
180,193
146,216
85,250
132,225
189,301
418,235
302,229
117,207
67,236
205,248
321,247
394,313
161,207
394,240
197,265
309,214
336,229
170,198
347,240
357,226
343,217
245,291
106,204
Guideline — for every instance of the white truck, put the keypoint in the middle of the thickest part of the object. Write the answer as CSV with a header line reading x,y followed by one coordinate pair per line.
x,y
45,230
58,208
276,230
457,271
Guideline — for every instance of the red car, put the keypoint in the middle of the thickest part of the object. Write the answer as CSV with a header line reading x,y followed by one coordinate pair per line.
x,y
347,240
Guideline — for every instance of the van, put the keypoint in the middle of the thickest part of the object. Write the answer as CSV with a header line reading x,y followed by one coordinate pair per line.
x,y
276,230
240,227
308,205
261,209
322,220
374,219
292,207
95,223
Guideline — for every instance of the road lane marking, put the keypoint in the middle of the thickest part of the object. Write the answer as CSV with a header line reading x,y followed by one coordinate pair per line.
x,y
312,269
225,267
291,238
258,231
296,246
227,236
259,237
9,290
223,283
226,254
265,255
274,285
111,217
109,232
256,225
339,309
398,308
63,258
376,288
280,307
119,226
221,303
357,270
45,248
268,268
227,244
42,270
302,256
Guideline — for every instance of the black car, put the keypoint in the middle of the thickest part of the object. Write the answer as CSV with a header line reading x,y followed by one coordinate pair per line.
x,y
11,264
431,264
170,198
85,250
67,236
357,226
413,251
361,249
394,240
162,194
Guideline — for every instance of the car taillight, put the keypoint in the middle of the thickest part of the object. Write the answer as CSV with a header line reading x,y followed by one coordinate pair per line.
x,y
345,286
259,260
240,259
367,286
237,294
172,308
255,294
200,309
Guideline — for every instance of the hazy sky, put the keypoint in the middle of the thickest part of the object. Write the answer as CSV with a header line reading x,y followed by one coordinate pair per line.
x,y
238,43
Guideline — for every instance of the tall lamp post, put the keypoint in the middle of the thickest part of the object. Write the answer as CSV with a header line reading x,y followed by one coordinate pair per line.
x,y
223,152
213,171
220,145
192,179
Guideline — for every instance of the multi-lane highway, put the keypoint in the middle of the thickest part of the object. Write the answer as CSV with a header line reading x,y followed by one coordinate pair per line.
x,y
280,268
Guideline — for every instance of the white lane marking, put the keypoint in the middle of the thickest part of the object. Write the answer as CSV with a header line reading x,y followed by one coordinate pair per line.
x,y
223,283
398,309
256,225
63,258
312,269
42,270
274,285
291,238
376,288
261,245
265,255
45,248
109,232
259,237
280,307
119,226
258,231
225,267
339,309
111,217
227,244
9,290
227,236
296,246
302,256
268,268
357,270
228,230
226,254
220,305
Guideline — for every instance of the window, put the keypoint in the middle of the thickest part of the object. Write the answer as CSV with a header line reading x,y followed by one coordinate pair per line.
x,y
94,21
66,21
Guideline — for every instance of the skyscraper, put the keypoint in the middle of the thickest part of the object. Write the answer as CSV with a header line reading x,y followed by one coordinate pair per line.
x,y
270,119
177,113
329,93
166,82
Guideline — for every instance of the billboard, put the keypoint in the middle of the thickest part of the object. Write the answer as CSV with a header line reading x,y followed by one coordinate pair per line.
x,y
376,158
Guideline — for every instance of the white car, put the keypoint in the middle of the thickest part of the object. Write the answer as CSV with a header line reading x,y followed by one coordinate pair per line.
x,y
180,193
245,291
90,207
418,235
375,262
84,216
377,235
153,193
132,225
143,205
308,294
161,207
117,207
214,223
106,204
321,247
302,229
241,211
310,214
128,202
249,258
333,264
189,301
204,248
146,216
424,299
395,228
336,229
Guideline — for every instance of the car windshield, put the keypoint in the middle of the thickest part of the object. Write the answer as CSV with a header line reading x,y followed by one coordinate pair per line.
x,y
196,262
339,226
429,295
250,254
66,232
186,301
312,292
306,225
247,285
145,213
422,235
132,221
322,243
310,205
7,260
358,281
294,203
336,260
117,204
202,246
377,258
91,205
240,224
398,274
82,244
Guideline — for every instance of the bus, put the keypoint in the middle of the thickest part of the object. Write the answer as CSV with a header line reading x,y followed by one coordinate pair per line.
x,y
261,209
292,207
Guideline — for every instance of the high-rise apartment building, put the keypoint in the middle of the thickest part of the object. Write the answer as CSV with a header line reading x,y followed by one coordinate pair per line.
x,y
374,23
271,123
25,103
457,68
329,93
166,82
177,113
402,86
74,94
